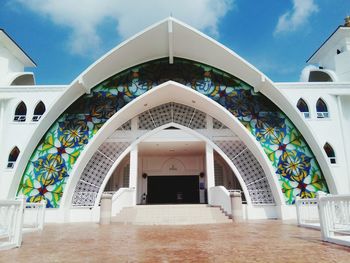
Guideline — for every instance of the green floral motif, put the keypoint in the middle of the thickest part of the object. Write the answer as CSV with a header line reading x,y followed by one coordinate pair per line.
x,y
51,164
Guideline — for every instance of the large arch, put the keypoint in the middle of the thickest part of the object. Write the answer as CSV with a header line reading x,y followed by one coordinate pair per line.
x,y
282,143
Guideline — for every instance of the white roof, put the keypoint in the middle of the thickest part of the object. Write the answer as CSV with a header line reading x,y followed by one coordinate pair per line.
x,y
15,49
169,38
340,33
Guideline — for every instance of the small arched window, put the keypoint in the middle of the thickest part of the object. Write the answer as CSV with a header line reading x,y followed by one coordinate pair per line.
x,y
321,108
39,111
21,112
330,153
13,157
303,108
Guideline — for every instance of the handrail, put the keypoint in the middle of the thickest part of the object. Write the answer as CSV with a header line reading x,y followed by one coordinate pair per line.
x,y
11,215
220,196
307,212
335,218
34,216
122,198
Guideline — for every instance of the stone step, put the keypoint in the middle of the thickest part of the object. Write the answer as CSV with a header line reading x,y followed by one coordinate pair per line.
x,y
171,215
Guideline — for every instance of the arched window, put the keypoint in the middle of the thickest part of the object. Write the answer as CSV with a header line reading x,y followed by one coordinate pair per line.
x,y
303,108
319,76
21,112
330,153
321,108
39,111
13,157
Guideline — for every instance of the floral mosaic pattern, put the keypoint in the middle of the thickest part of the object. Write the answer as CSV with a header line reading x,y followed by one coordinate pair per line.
x,y
52,162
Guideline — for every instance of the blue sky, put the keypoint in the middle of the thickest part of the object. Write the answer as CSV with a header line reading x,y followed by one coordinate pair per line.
x,y
65,36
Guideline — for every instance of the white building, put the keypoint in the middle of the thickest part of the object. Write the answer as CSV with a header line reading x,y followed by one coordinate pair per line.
x,y
168,121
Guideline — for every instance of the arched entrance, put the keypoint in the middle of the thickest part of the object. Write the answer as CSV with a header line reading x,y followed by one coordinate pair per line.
x,y
265,129
165,118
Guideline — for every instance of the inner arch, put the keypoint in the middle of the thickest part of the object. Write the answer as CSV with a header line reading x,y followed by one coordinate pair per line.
x,y
241,160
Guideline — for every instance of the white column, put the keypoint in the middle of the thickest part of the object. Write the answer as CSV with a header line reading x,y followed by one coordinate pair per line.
x,y
106,209
133,171
209,163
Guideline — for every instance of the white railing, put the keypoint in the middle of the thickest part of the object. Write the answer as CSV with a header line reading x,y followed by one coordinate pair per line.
x,y
34,216
335,218
322,114
124,197
306,114
36,117
307,212
220,196
11,164
84,199
11,222
20,118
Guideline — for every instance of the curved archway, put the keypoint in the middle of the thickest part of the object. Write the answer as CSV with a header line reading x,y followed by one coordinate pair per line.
x,y
20,112
282,143
39,111
115,152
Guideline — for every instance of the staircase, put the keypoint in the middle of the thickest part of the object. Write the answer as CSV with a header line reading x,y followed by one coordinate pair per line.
x,y
171,215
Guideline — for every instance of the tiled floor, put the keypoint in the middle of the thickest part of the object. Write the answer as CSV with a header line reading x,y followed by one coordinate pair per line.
x,y
263,241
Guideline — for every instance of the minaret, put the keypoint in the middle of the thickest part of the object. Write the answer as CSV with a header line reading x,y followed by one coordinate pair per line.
x,y
347,21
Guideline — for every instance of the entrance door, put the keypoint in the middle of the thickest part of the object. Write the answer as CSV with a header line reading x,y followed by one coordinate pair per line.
x,y
173,189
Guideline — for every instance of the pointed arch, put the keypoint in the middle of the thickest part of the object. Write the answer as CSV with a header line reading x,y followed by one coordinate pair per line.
x,y
303,108
322,109
13,157
330,153
20,112
256,119
39,111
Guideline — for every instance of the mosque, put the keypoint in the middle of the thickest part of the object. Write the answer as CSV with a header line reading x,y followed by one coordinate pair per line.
x,y
173,121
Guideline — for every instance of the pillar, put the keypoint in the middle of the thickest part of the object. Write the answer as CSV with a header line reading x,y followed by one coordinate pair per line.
x,y
106,209
236,206
133,172
210,174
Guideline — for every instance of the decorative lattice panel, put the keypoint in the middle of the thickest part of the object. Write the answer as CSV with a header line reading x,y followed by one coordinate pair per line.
x,y
126,126
113,149
250,170
199,120
162,114
172,112
95,172
218,124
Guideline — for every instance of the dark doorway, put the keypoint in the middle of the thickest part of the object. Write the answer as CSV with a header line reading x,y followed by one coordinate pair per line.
x,y
173,189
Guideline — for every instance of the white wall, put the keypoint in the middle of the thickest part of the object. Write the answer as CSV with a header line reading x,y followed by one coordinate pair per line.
x,y
19,133
333,129
8,62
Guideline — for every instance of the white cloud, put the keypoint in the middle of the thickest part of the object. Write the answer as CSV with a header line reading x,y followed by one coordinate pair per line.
x,y
84,17
297,17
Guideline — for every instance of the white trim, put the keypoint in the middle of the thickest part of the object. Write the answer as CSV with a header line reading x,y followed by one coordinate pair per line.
x,y
171,41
